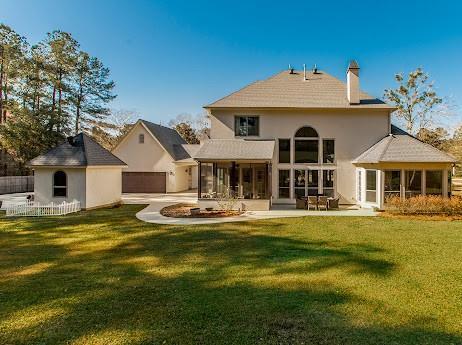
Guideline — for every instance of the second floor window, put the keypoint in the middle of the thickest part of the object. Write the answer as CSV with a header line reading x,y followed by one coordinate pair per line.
x,y
284,150
245,126
328,151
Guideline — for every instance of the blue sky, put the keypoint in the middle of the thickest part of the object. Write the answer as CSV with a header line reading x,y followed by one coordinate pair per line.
x,y
172,57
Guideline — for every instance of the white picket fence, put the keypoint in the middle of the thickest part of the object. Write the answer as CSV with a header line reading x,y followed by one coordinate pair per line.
x,y
34,209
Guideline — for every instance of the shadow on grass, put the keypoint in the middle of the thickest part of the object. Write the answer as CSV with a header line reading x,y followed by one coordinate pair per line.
x,y
112,279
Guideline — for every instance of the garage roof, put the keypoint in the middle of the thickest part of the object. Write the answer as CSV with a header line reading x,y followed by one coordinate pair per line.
x,y
170,140
78,151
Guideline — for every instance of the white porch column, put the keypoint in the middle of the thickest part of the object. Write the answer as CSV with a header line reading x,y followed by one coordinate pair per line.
x,y
402,184
380,188
424,182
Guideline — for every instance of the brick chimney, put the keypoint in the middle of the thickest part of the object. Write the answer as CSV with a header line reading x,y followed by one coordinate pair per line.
x,y
353,83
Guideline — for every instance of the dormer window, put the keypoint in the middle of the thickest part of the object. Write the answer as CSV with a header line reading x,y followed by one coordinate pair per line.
x,y
141,139
246,126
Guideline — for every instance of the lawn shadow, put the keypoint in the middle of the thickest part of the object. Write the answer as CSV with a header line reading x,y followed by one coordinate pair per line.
x,y
186,285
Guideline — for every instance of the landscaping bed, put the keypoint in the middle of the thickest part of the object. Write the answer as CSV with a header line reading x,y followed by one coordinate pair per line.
x,y
184,211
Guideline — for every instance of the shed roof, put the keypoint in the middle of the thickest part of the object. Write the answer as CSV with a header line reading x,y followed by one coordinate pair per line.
x,y
235,149
80,150
400,146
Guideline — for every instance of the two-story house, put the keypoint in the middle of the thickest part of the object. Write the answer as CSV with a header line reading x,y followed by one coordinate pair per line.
x,y
292,135
301,133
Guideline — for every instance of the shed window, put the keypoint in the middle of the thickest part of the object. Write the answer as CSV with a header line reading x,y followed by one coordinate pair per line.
x,y
60,184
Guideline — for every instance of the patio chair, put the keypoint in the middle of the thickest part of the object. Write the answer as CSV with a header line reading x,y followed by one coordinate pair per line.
x,y
333,203
312,202
300,203
323,203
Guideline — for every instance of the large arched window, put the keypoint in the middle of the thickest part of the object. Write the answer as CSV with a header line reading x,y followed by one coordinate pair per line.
x,y
306,132
306,145
59,183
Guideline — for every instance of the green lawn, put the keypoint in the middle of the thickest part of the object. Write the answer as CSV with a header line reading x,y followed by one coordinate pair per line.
x,y
103,277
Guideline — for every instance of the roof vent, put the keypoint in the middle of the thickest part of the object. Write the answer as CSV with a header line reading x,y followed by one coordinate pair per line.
x,y
291,69
315,69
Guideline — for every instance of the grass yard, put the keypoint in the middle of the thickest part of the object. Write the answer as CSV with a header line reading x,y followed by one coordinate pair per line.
x,y
103,277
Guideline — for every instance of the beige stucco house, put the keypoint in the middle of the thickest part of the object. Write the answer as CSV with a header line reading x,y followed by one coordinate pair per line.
x,y
301,133
158,160
78,169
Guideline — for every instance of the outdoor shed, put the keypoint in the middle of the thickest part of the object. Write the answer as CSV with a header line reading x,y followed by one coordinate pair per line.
x,y
78,169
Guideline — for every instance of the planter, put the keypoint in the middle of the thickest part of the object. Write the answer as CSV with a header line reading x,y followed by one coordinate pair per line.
x,y
195,211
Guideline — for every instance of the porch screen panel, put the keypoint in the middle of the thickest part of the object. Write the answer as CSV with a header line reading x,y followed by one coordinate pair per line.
x,y
206,174
413,184
261,182
434,182
392,185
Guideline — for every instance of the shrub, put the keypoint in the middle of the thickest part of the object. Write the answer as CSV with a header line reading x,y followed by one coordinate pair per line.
x,y
420,204
227,201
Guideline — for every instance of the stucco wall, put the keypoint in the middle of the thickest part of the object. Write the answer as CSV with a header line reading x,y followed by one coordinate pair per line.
x,y
354,131
103,186
76,185
149,156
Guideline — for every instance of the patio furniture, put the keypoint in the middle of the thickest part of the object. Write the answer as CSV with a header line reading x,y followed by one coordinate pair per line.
x,y
333,203
312,202
300,203
323,203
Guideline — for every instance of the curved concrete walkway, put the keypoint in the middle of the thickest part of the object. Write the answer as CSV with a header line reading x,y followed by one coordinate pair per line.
x,y
151,214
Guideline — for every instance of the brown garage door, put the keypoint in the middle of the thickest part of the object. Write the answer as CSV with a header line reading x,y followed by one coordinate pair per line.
x,y
143,182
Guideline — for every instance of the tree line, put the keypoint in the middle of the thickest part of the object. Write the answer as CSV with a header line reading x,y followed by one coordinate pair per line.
x,y
51,90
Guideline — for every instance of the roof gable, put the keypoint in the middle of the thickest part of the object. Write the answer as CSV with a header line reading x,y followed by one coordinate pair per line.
x,y
79,151
169,139
286,90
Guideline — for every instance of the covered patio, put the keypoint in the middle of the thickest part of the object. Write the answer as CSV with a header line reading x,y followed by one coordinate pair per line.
x,y
238,169
401,166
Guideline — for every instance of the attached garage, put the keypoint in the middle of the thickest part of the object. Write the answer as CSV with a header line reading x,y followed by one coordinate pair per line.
x,y
144,182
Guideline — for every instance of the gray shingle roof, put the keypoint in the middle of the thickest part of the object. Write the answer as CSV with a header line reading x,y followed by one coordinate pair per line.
x,y
235,149
169,138
400,146
285,90
80,150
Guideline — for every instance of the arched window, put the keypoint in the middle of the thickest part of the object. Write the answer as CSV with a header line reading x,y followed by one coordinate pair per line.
x,y
306,145
306,132
59,183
